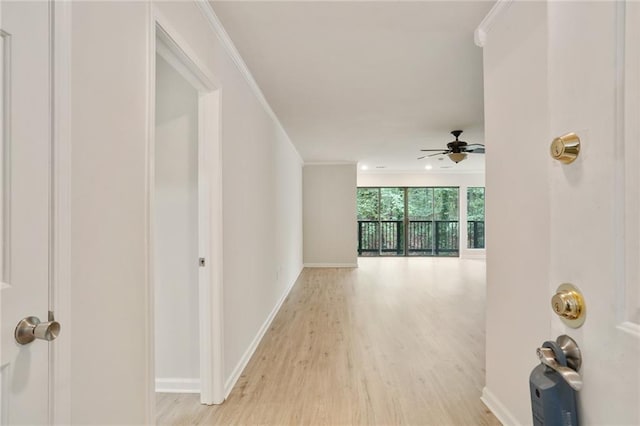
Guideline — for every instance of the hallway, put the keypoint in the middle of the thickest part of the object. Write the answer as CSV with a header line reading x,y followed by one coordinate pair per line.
x,y
395,341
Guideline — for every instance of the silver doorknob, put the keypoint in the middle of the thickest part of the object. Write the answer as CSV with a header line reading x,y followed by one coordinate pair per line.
x,y
30,329
569,375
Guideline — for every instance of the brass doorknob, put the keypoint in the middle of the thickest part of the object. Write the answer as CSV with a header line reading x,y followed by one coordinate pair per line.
x,y
566,148
569,305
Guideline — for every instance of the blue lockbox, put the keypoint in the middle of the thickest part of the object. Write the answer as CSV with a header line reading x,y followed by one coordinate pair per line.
x,y
552,400
554,383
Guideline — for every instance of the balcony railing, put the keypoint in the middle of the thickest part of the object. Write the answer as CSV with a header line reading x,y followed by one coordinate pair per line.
x,y
423,238
475,233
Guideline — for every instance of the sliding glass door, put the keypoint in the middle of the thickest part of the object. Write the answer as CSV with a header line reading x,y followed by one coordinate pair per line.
x,y
420,222
381,221
408,221
368,221
392,221
445,219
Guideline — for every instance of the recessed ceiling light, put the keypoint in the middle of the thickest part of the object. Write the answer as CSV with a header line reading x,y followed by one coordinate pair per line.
x,y
364,167
428,167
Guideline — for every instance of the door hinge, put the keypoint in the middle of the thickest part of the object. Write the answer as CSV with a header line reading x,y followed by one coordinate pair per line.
x,y
201,262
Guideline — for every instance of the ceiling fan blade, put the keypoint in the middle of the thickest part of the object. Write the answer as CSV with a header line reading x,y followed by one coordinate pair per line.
x,y
420,158
479,150
425,150
438,153
475,144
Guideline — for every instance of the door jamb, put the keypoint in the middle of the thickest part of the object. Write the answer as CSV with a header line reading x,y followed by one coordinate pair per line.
x,y
166,41
60,246
628,98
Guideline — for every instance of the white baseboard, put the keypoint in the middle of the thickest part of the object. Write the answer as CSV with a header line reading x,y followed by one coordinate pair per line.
x,y
330,265
237,371
497,408
178,385
473,254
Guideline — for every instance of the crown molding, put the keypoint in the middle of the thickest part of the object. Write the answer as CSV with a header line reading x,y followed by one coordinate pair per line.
x,y
481,33
230,48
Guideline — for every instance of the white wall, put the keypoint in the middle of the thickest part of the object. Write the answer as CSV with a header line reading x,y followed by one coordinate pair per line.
x,y
176,231
330,232
420,179
461,180
516,131
108,243
262,195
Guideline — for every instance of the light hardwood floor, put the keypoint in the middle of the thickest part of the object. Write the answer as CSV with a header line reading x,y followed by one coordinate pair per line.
x,y
395,341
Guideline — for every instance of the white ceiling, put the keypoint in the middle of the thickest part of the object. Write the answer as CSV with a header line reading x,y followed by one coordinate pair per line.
x,y
366,81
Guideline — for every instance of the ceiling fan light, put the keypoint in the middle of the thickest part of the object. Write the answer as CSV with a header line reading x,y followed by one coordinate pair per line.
x,y
457,157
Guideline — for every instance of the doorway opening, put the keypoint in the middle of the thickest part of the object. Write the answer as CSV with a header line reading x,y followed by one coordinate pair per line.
x,y
176,233
185,223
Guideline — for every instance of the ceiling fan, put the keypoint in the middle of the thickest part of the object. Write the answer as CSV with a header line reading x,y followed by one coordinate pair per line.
x,y
456,150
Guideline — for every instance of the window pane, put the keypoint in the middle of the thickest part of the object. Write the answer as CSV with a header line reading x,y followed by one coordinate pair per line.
x,y
420,203
391,204
446,203
368,203
475,217
475,204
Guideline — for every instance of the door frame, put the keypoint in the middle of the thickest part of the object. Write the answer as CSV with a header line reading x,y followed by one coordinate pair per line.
x,y
167,42
60,221
628,97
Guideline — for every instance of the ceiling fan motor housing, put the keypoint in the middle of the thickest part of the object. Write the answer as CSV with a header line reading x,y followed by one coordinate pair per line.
x,y
456,146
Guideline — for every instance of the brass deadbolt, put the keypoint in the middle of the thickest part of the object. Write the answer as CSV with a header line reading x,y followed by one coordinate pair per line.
x,y
569,305
566,148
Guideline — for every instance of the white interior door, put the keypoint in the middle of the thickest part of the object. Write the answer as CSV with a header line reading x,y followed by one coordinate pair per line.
x,y
25,206
594,213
